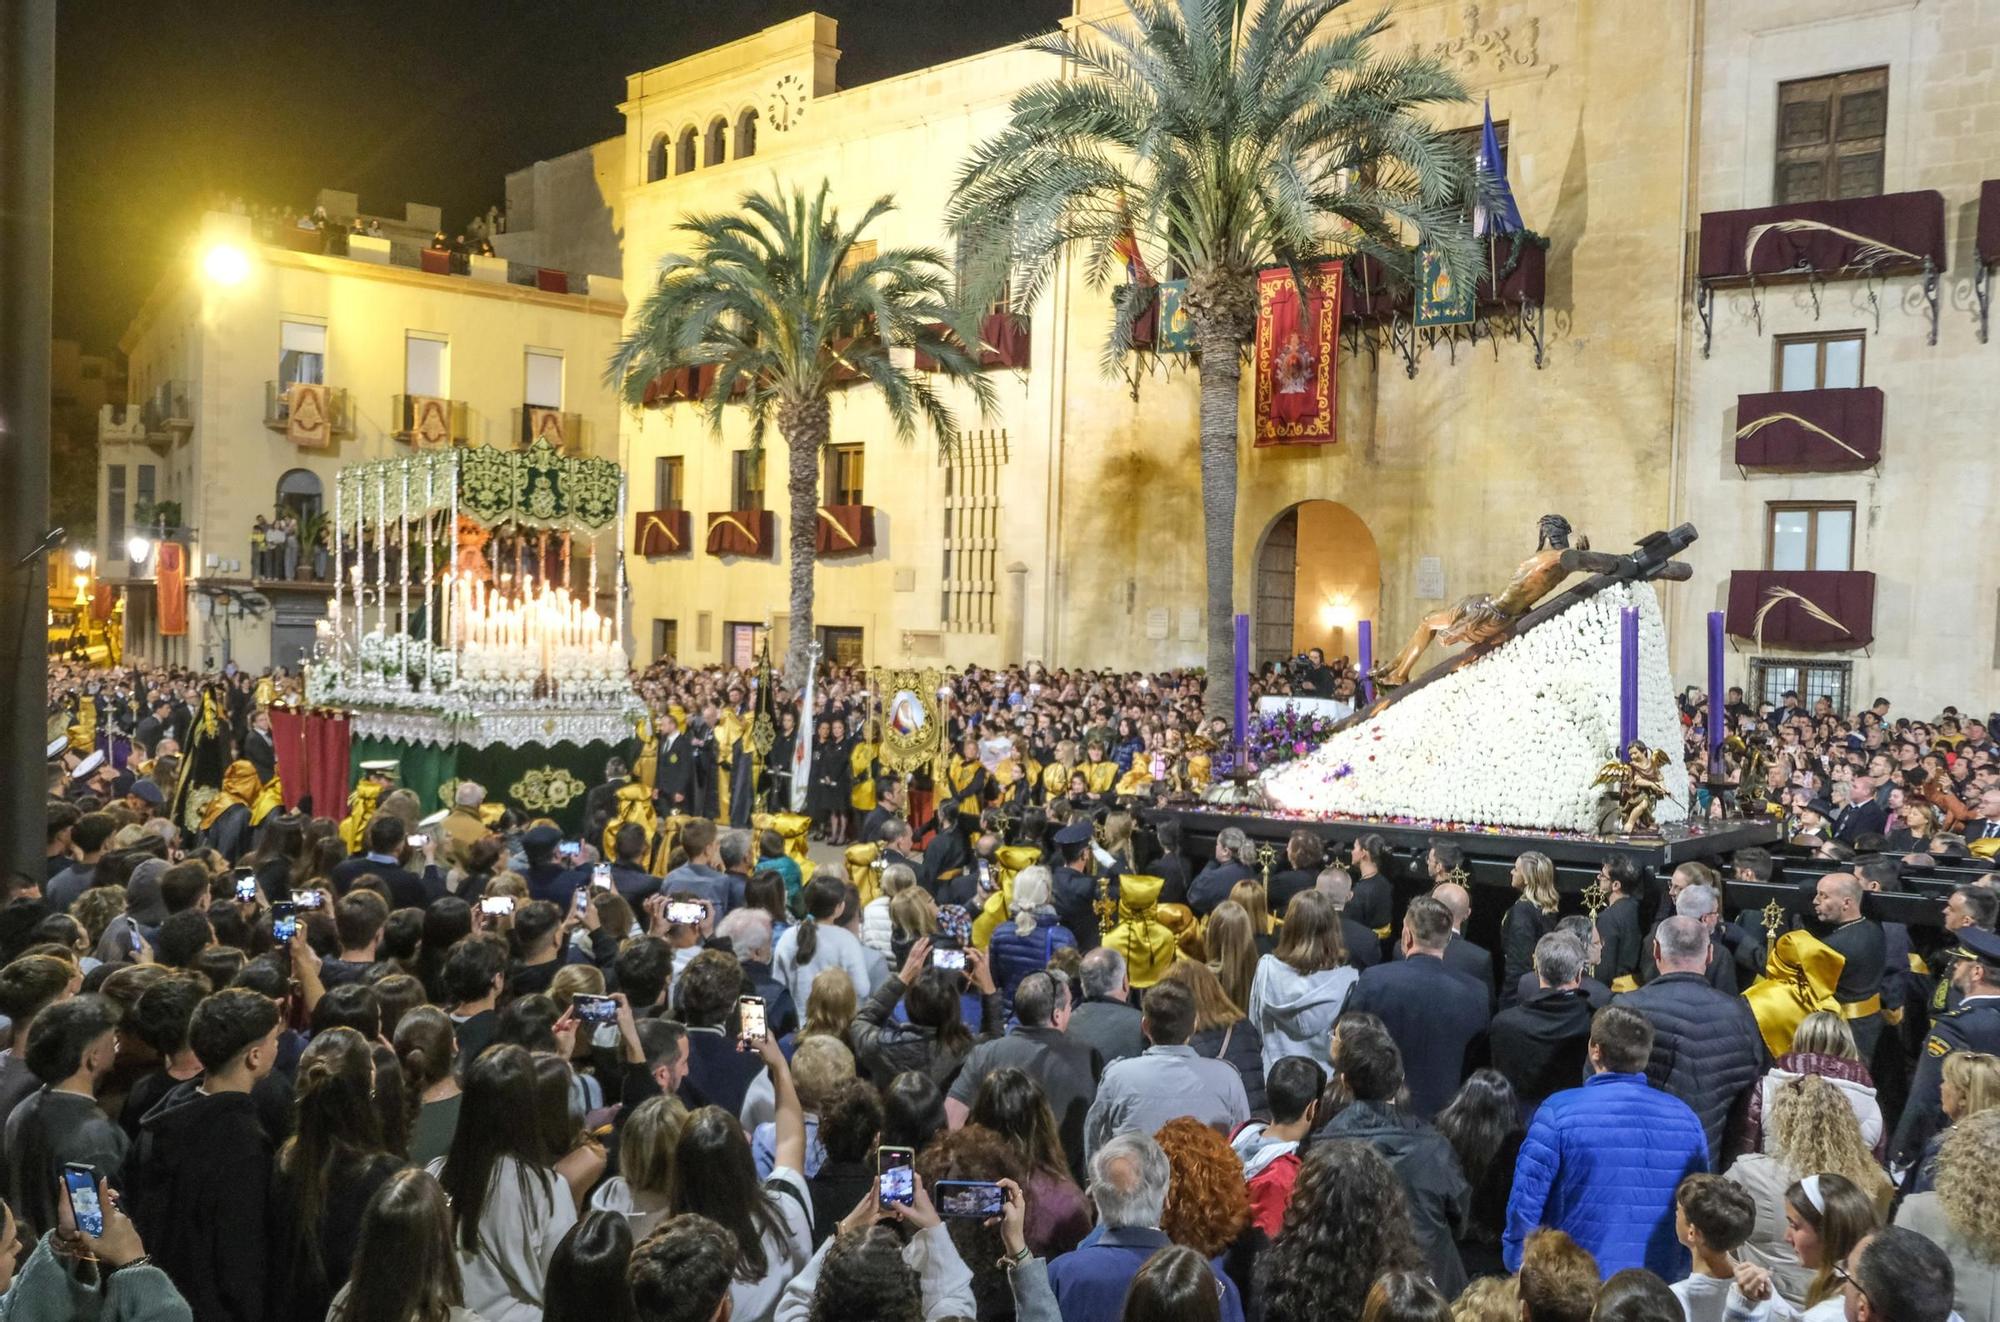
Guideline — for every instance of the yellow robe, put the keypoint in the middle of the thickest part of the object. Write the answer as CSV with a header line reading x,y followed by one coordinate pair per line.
x,y
963,772
862,874
1007,861
360,810
1099,776
1055,780
1799,977
1149,946
635,804
647,765
861,765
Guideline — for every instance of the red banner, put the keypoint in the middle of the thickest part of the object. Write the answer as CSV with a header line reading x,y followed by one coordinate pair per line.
x,y
1297,394
312,752
170,584
103,596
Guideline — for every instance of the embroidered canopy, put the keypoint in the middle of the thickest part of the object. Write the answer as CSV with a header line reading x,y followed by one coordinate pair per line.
x,y
533,487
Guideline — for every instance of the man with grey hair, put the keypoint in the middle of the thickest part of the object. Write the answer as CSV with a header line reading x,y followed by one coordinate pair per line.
x,y
1106,1018
1437,1014
1542,1042
1701,903
1358,939
1707,1049
748,931
1128,1183
1235,860
463,826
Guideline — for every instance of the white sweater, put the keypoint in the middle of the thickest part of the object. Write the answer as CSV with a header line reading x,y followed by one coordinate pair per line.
x,y
878,930
517,1240
838,948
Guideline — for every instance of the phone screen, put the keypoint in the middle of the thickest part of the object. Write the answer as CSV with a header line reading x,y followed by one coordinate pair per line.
x,y
896,1176
594,1009
246,890
419,841
750,1018
601,877
943,958
569,848
688,913
496,904
309,899
284,921
970,1198
80,1183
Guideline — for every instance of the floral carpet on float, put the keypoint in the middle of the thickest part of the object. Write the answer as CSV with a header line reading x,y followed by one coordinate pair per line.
x,y
1515,738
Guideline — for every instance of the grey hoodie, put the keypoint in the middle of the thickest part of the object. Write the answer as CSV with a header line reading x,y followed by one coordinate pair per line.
x,y
1295,1011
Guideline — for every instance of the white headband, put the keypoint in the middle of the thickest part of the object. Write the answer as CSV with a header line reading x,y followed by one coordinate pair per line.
x,y
1810,1186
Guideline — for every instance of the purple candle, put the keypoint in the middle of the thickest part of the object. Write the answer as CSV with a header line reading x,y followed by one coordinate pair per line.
x,y
1716,695
1367,659
1628,677
1242,681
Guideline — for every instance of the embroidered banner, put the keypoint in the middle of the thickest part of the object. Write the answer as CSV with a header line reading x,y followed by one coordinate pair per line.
x,y
845,530
548,425
1176,326
1441,301
739,532
430,422
1297,397
170,584
661,532
308,421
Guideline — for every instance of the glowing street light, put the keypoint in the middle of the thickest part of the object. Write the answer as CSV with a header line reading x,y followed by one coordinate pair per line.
x,y
138,548
226,264
81,557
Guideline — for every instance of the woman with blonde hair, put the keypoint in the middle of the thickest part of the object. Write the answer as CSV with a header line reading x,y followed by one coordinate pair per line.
x,y
1221,1029
1531,918
878,927
1969,1084
1250,894
829,1006
1962,1214
1812,1132
639,1191
1026,945
1822,1045
1118,839
1301,987
913,915
1232,949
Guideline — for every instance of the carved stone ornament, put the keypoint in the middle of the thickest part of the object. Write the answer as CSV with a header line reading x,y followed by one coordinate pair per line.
x,y
1499,49
788,103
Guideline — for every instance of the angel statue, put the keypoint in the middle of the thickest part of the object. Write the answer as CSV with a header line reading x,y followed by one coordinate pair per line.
x,y
1637,782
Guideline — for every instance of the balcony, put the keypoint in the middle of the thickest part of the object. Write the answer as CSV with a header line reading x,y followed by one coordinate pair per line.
x,y
310,415
741,533
1986,250
564,431
845,530
1810,431
165,416
1003,342
428,422
661,532
1803,609
1855,238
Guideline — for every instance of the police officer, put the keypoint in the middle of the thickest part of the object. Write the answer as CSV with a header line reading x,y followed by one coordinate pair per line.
x,y
1075,889
1974,1026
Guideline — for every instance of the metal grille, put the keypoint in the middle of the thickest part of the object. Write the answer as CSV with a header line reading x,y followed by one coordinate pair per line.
x,y
972,530
1772,677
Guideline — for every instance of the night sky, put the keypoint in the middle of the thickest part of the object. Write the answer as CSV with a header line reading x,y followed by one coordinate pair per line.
x,y
161,102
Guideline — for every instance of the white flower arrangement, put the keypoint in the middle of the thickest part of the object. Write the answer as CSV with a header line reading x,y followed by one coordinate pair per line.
x,y
1513,739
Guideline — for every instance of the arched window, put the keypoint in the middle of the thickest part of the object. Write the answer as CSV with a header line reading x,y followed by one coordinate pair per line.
x,y
656,158
746,133
684,151
300,491
717,145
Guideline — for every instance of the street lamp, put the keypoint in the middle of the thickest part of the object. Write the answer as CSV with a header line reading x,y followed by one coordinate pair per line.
x,y
138,548
81,557
226,264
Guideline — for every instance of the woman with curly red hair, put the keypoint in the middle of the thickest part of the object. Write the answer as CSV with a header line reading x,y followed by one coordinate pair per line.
x,y
1208,1203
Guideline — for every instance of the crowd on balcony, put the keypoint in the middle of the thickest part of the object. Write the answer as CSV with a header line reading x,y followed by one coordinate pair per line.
x,y
488,1067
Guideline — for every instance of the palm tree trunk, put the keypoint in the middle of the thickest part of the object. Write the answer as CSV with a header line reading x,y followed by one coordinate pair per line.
x,y
804,424
1221,377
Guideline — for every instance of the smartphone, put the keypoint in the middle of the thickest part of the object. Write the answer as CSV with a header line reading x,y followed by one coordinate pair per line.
x,y
970,1198
569,848
284,920
594,1009
419,841
896,1176
948,958
309,899
600,876
497,904
80,1183
750,1018
246,890
687,913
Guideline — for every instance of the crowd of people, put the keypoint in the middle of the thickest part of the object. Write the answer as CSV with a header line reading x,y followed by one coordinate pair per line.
x,y
1022,1053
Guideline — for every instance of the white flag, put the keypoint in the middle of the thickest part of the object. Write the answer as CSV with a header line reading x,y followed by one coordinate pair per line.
x,y
802,745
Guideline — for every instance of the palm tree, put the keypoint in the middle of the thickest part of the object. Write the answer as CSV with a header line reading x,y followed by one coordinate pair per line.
x,y
1224,141
772,297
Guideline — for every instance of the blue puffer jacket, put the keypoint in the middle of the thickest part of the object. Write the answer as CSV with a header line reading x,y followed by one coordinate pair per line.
x,y
1601,1163
1014,956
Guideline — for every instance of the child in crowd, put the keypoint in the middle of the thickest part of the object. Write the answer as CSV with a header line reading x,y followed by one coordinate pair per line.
x,y
1712,1218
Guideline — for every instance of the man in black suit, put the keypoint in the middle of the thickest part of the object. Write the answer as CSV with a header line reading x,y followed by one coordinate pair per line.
x,y
897,840
1620,923
707,788
1234,859
152,728
1862,815
1475,961
1358,939
1437,1015
1986,826
257,746
890,799
601,803
1542,1044
676,774
387,850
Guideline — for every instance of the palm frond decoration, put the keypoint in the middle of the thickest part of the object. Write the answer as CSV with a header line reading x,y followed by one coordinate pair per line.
x,y
1224,137
1872,252
1775,597
779,300
1750,429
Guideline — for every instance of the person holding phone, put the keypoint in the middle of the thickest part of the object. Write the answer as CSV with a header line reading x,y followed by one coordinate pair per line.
x,y
71,1049
716,1177
84,1276
926,1270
